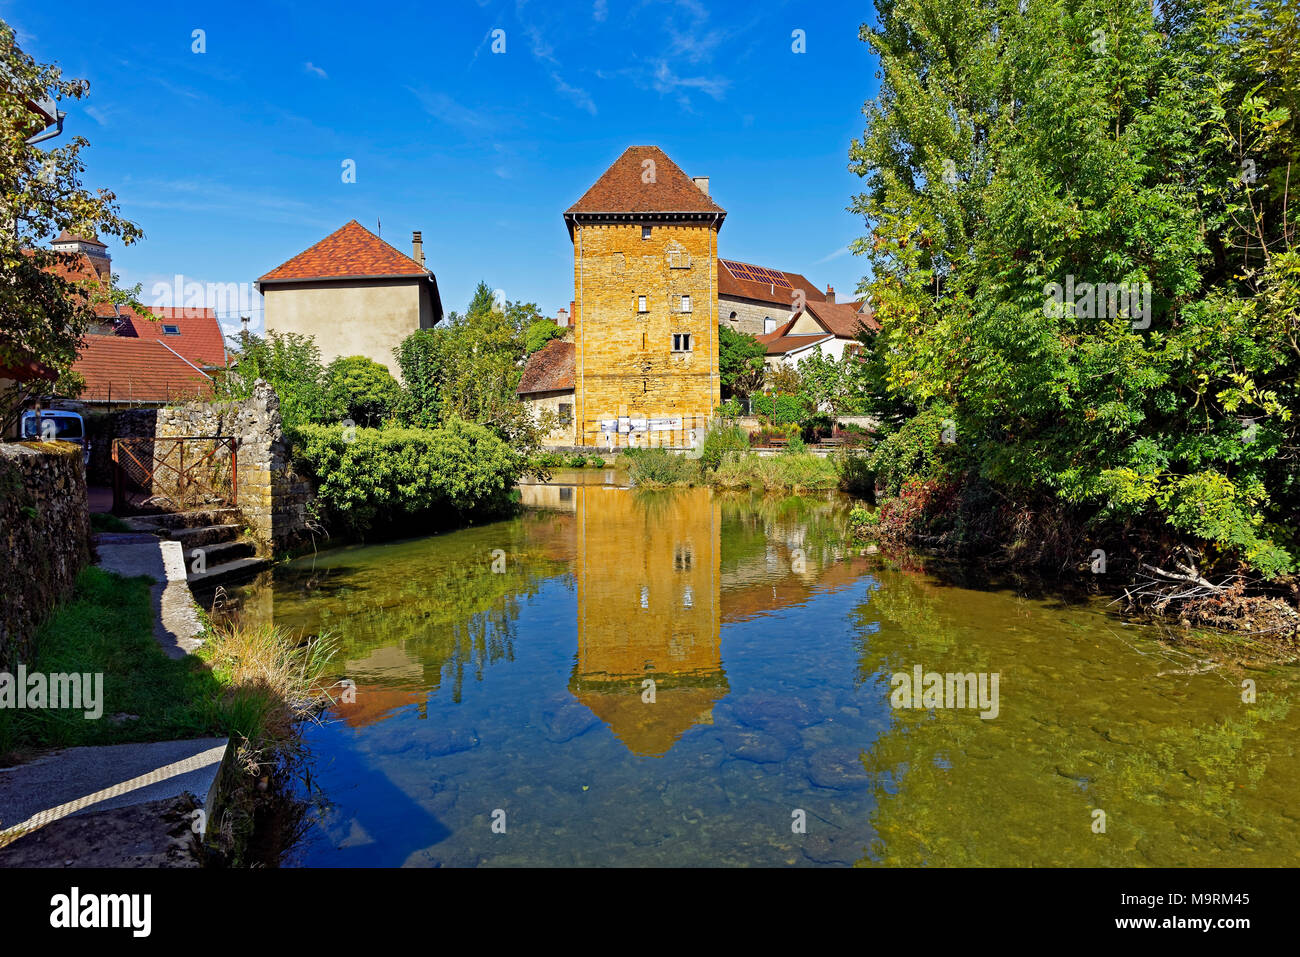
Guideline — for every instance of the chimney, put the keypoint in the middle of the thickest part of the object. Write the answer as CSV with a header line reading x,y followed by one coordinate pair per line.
x,y
562,318
702,182
417,247
830,294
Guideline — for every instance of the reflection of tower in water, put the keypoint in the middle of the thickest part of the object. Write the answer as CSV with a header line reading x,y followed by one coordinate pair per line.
x,y
647,573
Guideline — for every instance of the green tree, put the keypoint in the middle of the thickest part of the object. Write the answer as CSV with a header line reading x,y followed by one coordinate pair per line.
x,y
740,362
539,333
835,385
469,369
361,389
1089,145
45,314
291,363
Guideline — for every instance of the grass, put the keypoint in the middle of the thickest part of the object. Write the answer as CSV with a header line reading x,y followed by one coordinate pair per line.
x,y
796,471
244,682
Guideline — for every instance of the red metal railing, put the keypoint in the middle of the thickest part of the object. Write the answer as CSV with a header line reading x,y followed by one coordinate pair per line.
x,y
174,474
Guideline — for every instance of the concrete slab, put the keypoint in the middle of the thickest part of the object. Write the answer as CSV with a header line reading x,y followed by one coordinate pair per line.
x,y
176,616
80,780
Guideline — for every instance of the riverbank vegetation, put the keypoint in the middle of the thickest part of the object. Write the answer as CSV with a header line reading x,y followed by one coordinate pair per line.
x,y
248,685
793,470
375,478
1089,291
251,684
445,445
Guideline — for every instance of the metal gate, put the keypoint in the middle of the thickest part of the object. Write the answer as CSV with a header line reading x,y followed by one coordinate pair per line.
x,y
174,474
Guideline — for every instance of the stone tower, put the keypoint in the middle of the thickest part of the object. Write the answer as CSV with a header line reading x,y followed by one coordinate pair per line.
x,y
645,273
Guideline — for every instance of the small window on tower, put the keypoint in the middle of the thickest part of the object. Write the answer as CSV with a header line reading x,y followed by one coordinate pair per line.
x,y
686,303
769,325
645,232
681,342
640,304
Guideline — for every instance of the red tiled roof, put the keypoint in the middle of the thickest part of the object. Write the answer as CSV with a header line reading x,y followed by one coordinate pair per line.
x,y
82,271
843,318
199,340
549,369
780,345
350,252
730,284
67,237
622,189
126,369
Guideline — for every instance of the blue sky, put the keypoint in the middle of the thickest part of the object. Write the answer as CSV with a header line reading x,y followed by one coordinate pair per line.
x,y
231,160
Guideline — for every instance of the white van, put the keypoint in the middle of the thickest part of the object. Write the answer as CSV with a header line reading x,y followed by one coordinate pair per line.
x,y
56,426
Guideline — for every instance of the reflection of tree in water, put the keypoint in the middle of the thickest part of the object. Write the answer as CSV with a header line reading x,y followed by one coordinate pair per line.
x,y
444,612
755,523
1176,763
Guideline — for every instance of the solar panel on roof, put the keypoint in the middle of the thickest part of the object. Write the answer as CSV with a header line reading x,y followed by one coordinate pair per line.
x,y
759,274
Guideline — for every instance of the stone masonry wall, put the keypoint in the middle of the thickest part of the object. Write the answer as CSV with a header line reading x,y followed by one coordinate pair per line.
x,y
44,537
271,496
625,364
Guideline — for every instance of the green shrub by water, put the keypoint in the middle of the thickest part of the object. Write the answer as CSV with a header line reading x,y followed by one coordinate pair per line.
x,y
656,467
382,476
721,439
789,470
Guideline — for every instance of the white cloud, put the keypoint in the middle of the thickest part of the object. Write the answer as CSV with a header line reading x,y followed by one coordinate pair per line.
x,y
665,80
312,68
577,95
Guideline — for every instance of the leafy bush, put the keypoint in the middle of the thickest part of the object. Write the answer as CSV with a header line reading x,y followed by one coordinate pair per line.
x,y
394,474
596,462
539,333
577,461
864,523
856,474
656,467
291,364
731,409
781,409
721,439
791,470
914,451
362,390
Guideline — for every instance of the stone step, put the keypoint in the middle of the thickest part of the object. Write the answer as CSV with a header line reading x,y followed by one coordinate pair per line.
x,y
204,535
227,572
220,552
194,519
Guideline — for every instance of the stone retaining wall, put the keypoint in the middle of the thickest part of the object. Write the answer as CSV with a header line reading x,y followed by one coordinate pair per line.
x,y
44,537
271,496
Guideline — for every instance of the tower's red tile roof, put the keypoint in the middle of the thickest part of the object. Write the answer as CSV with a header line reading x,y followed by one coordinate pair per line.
x,y
67,237
622,188
125,369
93,286
549,369
352,251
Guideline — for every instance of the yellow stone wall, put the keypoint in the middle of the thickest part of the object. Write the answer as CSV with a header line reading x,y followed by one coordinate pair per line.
x,y
625,365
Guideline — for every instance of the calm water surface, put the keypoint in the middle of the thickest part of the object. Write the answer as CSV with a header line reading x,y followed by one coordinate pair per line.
x,y
504,668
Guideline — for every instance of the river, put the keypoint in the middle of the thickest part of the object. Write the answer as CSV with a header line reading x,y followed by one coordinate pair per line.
x,y
680,677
